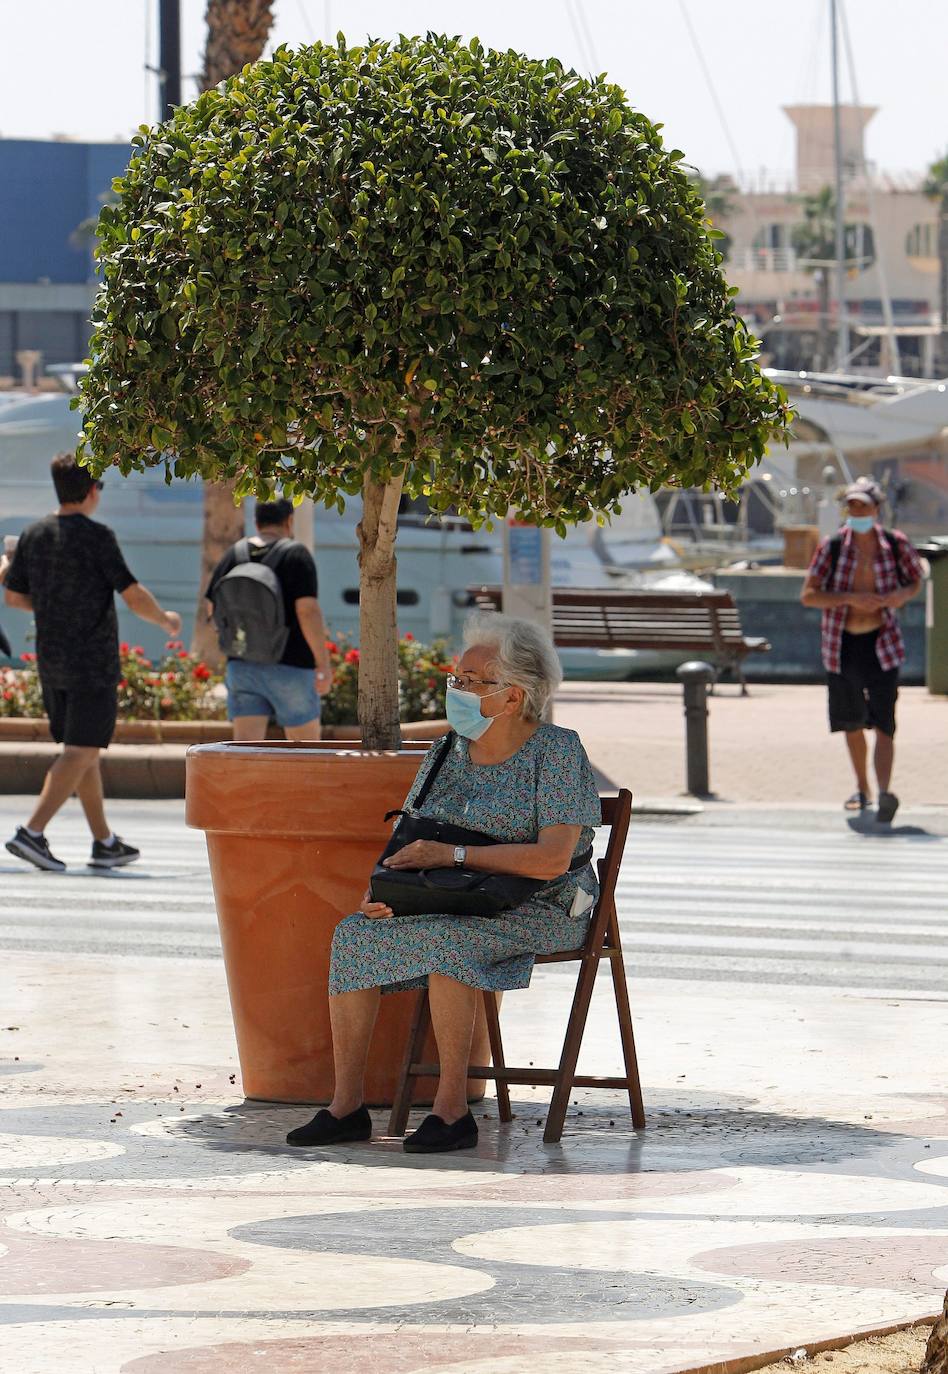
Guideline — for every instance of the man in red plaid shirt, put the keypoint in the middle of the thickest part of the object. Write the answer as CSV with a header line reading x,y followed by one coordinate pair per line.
x,y
860,579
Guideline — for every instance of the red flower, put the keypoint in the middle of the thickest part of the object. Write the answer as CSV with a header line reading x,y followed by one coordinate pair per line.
x,y
167,703
202,672
432,682
123,683
27,658
332,648
8,695
352,656
137,650
408,637
174,644
183,653
123,648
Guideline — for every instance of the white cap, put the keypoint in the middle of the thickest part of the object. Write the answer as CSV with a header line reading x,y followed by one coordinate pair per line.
x,y
865,489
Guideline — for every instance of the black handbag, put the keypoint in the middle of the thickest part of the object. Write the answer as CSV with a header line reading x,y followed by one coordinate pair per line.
x,y
448,891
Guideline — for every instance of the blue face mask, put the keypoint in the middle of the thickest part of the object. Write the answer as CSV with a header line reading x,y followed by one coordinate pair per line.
x,y
463,710
861,524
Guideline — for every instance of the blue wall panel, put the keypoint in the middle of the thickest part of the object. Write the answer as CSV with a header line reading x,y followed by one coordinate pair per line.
x,y
46,191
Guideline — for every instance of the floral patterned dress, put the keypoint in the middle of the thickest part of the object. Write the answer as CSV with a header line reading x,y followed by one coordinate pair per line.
x,y
548,781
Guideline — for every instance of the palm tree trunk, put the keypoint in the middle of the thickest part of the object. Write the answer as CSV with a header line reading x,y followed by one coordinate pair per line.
x,y
223,526
378,615
936,1352
943,285
237,33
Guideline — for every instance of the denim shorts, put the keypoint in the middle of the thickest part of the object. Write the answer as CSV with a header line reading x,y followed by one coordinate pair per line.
x,y
279,690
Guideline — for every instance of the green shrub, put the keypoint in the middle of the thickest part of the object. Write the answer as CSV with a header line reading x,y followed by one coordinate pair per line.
x,y
422,674
178,687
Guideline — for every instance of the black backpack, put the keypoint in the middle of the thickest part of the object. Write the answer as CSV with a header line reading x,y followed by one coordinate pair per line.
x,y
836,546
248,606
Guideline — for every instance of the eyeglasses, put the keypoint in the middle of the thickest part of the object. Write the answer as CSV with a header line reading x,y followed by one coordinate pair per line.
x,y
471,684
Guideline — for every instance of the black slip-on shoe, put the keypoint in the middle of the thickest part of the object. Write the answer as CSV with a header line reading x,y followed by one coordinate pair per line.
x,y
435,1137
35,850
888,805
114,855
326,1129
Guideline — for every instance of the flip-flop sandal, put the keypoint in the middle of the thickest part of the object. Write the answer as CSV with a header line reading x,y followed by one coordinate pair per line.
x,y
857,802
888,805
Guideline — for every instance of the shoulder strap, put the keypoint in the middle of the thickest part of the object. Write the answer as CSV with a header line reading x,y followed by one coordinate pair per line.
x,y
893,544
836,548
242,551
279,548
428,783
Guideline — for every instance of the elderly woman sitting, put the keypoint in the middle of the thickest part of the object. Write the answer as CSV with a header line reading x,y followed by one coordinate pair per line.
x,y
513,777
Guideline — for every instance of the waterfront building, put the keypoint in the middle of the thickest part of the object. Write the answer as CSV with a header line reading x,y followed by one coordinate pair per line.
x,y
51,192
891,235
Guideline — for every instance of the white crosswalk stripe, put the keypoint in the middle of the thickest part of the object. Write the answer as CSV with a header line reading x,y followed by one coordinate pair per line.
x,y
746,900
766,903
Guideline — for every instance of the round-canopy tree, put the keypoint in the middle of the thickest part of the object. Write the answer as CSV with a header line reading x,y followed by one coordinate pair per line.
x,y
425,267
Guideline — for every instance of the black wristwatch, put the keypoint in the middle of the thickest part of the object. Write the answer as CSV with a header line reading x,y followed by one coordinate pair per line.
x,y
460,855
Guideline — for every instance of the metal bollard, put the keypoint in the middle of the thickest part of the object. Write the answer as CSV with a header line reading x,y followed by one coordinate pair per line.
x,y
696,677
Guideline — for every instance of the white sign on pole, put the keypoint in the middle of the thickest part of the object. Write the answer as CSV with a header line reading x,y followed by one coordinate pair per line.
x,y
527,593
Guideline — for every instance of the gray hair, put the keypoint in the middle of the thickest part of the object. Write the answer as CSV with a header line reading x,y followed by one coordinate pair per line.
x,y
524,655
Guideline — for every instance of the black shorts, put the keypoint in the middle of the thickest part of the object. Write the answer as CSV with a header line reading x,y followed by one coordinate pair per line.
x,y
862,695
84,717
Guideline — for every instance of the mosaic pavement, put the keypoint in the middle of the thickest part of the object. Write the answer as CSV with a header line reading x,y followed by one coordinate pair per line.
x,y
792,1184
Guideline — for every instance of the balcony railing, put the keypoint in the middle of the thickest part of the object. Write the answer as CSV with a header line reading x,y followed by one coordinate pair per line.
x,y
765,260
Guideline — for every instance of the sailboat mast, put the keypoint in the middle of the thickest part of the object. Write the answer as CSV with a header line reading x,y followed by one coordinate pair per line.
x,y
842,334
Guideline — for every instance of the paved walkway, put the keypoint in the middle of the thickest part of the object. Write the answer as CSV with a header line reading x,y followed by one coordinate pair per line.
x,y
772,746
790,997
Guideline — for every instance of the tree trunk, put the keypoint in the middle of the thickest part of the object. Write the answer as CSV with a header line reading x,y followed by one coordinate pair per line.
x,y
824,334
943,286
936,1352
223,526
237,33
378,615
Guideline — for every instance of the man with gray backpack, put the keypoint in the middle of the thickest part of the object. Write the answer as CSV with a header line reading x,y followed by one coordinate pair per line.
x,y
263,599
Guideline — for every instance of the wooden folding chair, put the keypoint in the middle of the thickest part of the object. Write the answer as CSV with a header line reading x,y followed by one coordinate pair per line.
x,y
602,942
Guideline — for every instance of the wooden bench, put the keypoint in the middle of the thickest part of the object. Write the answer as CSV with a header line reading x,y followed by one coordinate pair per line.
x,y
706,623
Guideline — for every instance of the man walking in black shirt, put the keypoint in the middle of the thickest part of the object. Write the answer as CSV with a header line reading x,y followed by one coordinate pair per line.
x,y
66,571
277,661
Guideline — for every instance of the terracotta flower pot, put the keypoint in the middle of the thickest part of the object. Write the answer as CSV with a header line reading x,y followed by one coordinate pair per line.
x,y
292,833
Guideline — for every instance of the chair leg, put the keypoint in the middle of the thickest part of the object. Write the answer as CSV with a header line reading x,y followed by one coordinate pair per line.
x,y
414,1046
566,1071
626,1035
497,1054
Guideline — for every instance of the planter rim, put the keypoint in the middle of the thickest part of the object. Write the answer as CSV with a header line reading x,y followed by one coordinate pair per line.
x,y
294,788
278,748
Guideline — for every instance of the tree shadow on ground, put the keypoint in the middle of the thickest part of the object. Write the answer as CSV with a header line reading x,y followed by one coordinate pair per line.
x,y
598,1138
